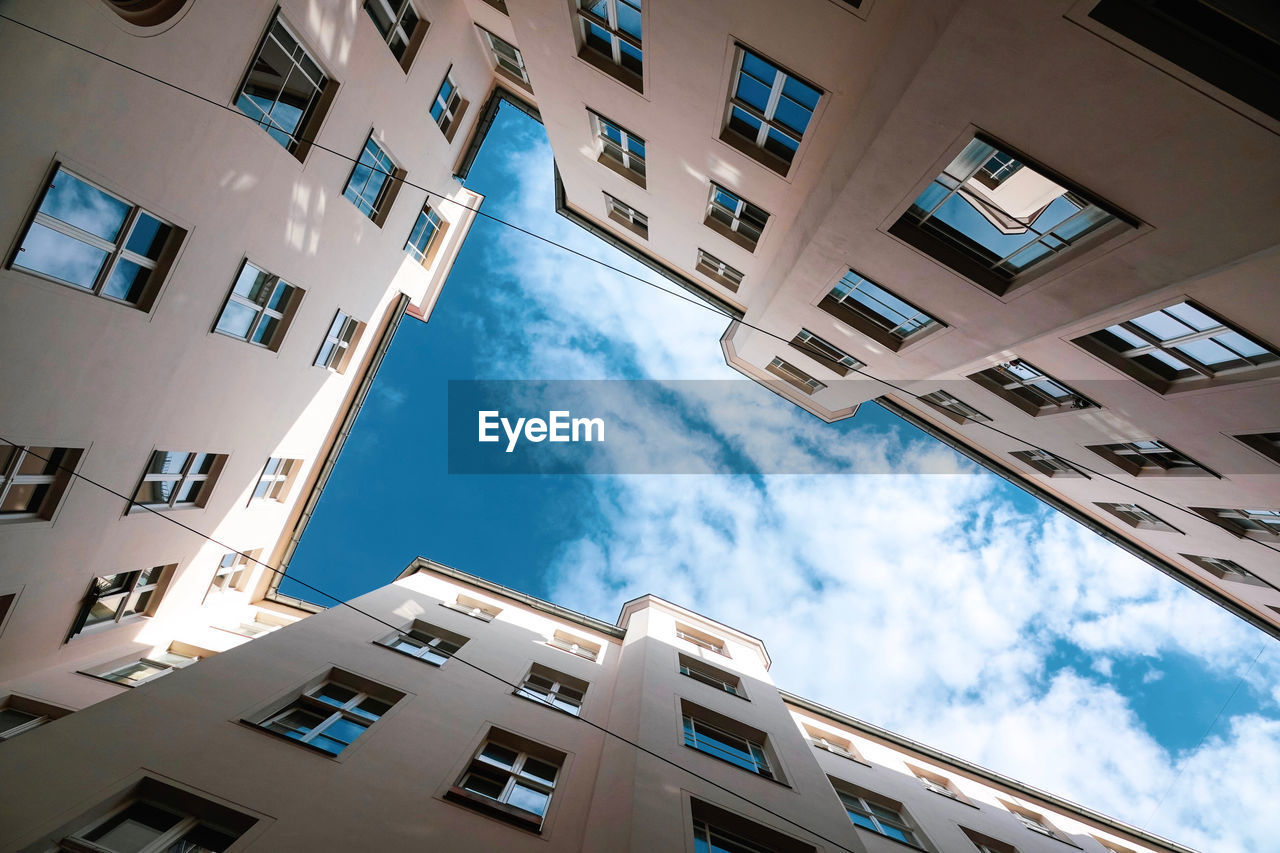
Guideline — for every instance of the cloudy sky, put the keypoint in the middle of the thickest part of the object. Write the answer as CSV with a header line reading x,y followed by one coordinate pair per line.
x,y
924,595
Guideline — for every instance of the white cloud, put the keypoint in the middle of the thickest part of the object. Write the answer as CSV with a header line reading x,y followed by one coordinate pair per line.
x,y
935,600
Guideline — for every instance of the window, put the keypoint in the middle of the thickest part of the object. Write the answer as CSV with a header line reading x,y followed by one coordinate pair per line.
x,y
1229,45
276,478
714,676
1135,516
743,747
556,689
1031,390
769,110
284,91
424,239
627,216
735,218
426,642
1266,443
259,308
1048,464
114,598
481,610
831,743
995,218
157,818
252,629
231,571
953,407
507,57
794,376
1227,570
611,38
401,27
33,480
827,354
701,639
83,236
146,669
448,106
332,714
19,715
1263,524
620,149
339,343
575,645
936,783
1180,346
877,313
374,182
711,266
987,844
881,816
511,778
717,830
1142,458
1031,820
174,479
500,5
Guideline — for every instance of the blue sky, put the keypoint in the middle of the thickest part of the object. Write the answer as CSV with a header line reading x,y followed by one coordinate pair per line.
x,y
933,599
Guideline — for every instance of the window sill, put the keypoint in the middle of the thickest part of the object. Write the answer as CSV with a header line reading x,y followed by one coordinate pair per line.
x,y
606,64
543,704
518,818
742,145
741,696
403,653
731,235
906,844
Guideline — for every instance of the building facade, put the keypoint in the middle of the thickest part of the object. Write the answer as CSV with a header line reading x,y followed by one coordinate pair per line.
x,y
1050,226
446,712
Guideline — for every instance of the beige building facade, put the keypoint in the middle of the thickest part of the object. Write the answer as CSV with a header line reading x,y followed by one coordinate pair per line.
x,y
1055,220
446,712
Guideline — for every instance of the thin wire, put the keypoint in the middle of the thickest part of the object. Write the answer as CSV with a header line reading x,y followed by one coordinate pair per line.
x,y
399,628
691,300
1205,736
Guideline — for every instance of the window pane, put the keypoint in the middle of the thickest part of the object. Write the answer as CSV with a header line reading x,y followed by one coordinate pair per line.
x,y
202,839
148,236
127,281
529,799
75,202
236,319
251,284
334,694
58,256
134,829
499,755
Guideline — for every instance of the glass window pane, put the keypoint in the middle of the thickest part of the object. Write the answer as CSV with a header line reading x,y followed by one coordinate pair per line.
x,y
334,694
148,236
202,839
167,462
484,785
75,202
752,91
499,755
1207,352
1161,325
1193,317
251,283
540,769
236,319
529,799
1240,344
135,828
127,281
792,115
802,93
343,730
58,256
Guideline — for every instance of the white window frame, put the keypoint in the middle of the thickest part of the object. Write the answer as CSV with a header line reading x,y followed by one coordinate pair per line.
x,y
819,349
706,743
738,224
1049,464
710,835
619,209
170,839
138,587
273,482
795,376
713,266
616,35
181,480
714,645
10,479
161,667
397,27
433,649
574,645
516,776
555,692
693,668
307,702
619,151
767,119
481,610
1246,523
955,406
513,64
449,105
434,223
1137,517
909,327
379,162
36,721
116,250
278,291
337,342
853,802
1015,374
318,86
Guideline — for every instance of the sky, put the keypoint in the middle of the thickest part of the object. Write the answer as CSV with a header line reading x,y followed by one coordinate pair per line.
x,y
919,592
